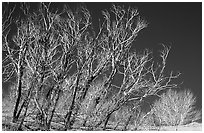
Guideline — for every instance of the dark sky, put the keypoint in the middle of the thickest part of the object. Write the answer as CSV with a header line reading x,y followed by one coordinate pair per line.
x,y
175,24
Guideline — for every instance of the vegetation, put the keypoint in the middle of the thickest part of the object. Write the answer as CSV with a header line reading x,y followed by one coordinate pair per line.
x,y
176,108
64,68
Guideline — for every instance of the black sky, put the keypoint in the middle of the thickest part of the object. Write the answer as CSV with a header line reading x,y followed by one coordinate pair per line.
x,y
176,24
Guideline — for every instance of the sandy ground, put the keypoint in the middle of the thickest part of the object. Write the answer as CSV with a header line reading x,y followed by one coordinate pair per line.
x,y
190,127
7,115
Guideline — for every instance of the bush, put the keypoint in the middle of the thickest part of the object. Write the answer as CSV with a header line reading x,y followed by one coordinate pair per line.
x,y
176,108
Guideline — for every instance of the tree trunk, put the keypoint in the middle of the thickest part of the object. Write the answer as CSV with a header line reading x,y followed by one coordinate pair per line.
x,y
91,79
85,90
106,121
15,118
117,107
118,122
26,104
127,123
52,114
26,100
69,113
24,115
19,78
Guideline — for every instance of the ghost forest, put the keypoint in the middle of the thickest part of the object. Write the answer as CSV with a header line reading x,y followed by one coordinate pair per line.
x,y
63,69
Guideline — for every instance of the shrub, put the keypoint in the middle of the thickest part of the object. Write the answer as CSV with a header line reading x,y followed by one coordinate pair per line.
x,y
176,108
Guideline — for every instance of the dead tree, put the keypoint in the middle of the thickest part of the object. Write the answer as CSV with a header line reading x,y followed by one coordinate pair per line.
x,y
13,62
38,43
51,43
141,77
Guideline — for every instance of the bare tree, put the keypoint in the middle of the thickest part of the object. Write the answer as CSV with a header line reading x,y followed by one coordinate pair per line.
x,y
12,63
141,77
52,44
176,108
